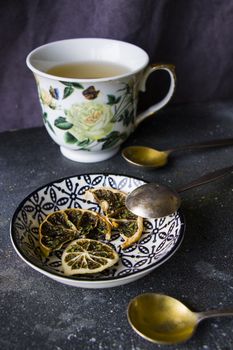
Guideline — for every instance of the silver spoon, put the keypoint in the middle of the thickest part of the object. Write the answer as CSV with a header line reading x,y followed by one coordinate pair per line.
x,y
153,200
165,320
152,158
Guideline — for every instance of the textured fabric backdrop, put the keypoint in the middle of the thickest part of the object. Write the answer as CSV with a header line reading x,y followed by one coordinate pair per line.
x,y
195,35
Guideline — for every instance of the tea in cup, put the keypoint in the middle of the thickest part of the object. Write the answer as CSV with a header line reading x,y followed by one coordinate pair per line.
x,y
88,90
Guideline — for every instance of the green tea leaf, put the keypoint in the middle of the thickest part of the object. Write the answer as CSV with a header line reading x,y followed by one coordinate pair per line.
x,y
62,123
69,138
68,91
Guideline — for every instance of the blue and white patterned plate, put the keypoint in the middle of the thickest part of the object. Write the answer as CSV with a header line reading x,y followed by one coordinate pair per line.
x,y
160,239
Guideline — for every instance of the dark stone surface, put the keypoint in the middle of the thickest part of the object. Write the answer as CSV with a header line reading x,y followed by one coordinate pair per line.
x,y
39,313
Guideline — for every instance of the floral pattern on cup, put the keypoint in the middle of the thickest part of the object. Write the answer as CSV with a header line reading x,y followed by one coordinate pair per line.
x,y
46,98
90,122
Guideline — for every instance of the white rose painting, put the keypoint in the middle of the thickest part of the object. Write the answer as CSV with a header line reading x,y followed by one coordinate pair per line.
x,y
90,120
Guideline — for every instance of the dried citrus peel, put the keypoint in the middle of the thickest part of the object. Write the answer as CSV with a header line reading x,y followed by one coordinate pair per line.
x,y
67,225
112,203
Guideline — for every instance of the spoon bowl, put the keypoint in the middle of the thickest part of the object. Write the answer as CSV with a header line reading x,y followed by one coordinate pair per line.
x,y
145,156
162,319
153,200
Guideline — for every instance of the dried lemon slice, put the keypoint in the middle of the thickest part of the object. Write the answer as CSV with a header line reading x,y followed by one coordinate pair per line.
x,y
66,225
123,214
85,256
108,199
130,230
112,202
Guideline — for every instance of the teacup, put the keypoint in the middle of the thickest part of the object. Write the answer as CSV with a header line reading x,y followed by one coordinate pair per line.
x,y
88,90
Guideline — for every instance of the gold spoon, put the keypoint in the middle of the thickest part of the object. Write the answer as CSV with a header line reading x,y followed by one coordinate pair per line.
x,y
165,320
153,158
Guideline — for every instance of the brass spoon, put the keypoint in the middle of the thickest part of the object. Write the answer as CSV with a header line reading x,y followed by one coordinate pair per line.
x,y
153,158
165,320
153,200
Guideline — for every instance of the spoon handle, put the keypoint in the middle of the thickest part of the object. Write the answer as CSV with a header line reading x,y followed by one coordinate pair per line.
x,y
214,313
207,144
209,177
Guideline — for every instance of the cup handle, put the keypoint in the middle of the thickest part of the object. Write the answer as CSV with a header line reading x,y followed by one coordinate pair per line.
x,y
170,68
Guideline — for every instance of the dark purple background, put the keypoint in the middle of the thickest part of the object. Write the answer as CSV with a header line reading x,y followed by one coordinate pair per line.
x,y
195,35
